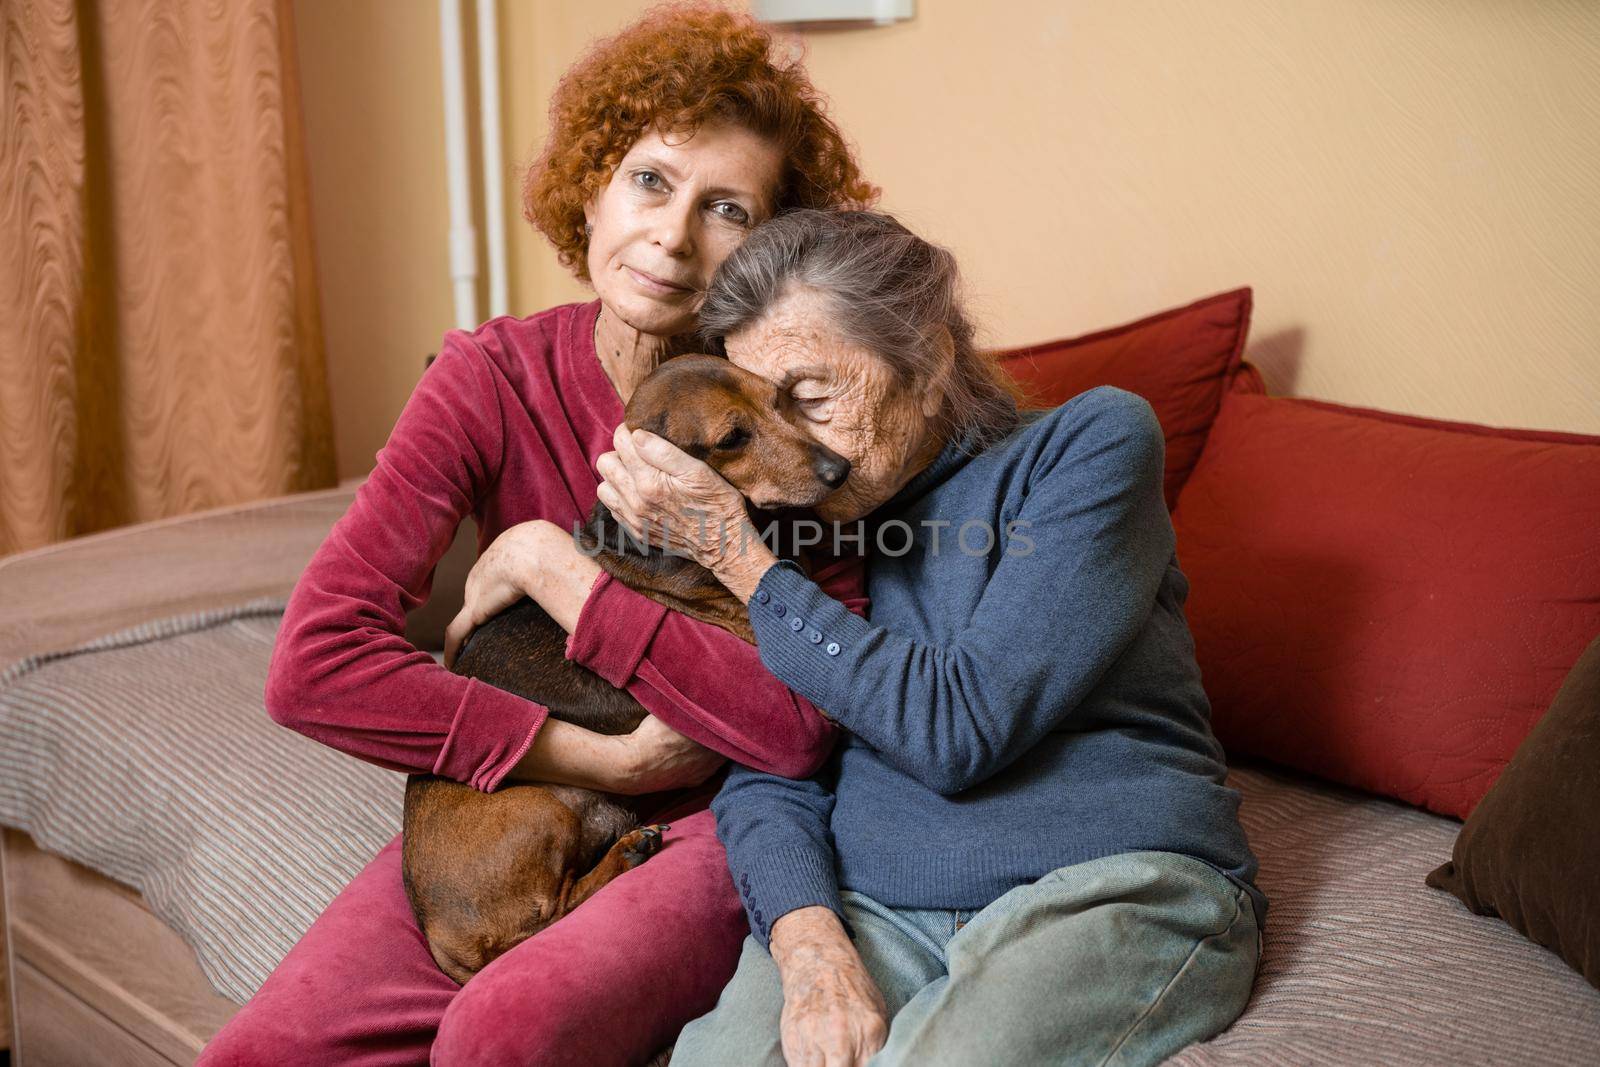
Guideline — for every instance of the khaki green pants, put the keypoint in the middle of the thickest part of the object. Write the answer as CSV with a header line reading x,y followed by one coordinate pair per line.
x,y
1118,961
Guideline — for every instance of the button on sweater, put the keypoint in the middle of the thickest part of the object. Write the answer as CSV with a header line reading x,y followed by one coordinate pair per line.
x,y
1023,697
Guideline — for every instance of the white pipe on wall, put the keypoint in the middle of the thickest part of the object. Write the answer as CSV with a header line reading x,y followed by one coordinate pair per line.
x,y
494,196
463,239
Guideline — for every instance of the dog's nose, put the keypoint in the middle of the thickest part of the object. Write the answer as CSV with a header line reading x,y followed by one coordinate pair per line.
x,y
830,467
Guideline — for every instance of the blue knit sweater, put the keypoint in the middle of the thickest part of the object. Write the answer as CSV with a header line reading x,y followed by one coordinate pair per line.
x,y
1024,697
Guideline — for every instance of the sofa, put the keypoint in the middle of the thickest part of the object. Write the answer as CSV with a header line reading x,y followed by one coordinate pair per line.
x,y
165,843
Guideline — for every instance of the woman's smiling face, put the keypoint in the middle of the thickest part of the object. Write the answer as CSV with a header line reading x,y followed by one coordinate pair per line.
x,y
846,397
671,213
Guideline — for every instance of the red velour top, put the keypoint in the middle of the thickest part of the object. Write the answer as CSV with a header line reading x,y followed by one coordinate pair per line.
x,y
507,425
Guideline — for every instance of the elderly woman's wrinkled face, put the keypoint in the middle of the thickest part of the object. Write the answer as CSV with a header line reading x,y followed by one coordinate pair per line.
x,y
672,212
847,397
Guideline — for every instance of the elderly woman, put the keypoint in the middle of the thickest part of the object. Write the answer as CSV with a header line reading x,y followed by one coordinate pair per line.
x,y
1025,852
669,143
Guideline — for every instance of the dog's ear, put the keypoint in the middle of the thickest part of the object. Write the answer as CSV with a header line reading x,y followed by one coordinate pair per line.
x,y
657,424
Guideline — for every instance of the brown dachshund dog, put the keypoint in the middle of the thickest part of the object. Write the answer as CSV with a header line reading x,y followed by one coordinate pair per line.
x,y
486,871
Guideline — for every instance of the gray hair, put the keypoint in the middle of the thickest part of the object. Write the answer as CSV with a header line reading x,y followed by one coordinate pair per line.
x,y
890,292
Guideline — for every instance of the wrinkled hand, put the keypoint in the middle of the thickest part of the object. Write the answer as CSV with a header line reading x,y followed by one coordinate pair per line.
x,y
665,495
833,1012
659,758
503,575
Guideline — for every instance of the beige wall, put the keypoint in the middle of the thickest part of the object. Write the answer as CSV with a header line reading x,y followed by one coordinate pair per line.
x,y
375,140
1409,184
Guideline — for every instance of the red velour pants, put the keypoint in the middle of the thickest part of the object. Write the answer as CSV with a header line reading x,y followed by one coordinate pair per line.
x,y
611,983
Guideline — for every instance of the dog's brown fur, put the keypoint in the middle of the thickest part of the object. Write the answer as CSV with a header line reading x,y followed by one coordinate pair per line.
x,y
485,871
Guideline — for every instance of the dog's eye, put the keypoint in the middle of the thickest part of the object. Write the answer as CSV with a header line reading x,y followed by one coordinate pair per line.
x,y
734,438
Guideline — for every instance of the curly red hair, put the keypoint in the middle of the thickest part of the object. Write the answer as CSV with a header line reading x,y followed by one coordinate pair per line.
x,y
677,67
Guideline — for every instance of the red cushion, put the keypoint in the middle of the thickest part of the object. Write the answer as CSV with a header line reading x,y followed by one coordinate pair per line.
x,y
1385,600
1178,360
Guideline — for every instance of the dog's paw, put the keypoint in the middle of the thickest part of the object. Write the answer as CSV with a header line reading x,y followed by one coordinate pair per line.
x,y
641,844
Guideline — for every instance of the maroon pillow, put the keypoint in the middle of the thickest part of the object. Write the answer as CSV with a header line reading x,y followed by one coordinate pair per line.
x,y
1179,360
1385,600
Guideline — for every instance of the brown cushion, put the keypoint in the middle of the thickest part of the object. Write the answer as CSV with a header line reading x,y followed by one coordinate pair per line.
x,y
1530,853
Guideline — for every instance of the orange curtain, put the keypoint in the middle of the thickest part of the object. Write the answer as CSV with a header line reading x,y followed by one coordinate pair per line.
x,y
160,342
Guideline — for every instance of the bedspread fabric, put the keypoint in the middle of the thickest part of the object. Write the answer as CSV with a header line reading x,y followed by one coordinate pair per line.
x,y
146,755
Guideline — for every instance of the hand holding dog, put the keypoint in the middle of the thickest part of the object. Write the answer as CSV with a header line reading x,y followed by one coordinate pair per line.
x,y
534,559
666,495
538,559
660,758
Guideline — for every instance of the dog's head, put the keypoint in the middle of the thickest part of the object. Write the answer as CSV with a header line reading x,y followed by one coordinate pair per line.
x,y
735,422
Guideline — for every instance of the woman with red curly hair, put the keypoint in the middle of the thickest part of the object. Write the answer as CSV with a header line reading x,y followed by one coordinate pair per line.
x,y
669,142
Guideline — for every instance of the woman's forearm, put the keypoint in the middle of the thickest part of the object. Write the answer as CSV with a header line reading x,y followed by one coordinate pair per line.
x,y
830,1001
564,754
560,577
811,936
741,569
652,758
